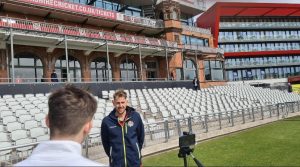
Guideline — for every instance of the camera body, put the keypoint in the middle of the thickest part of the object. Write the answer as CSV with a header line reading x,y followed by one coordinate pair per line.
x,y
186,144
187,140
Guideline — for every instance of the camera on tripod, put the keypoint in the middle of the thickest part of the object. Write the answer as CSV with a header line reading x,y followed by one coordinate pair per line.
x,y
187,144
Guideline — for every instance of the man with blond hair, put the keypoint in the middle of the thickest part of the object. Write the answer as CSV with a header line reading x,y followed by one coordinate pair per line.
x,y
70,120
122,133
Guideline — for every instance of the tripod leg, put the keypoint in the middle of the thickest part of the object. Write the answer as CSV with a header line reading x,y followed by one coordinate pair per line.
x,y
184,160
196,161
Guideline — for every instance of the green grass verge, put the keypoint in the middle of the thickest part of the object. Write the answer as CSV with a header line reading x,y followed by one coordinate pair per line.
x,y
275,144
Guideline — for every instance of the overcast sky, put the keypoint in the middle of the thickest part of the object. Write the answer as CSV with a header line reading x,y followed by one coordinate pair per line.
x,y
211,2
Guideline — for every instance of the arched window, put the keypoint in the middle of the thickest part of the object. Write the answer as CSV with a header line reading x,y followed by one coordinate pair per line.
x,y
74,69
28,68
99,70
189,69
128,70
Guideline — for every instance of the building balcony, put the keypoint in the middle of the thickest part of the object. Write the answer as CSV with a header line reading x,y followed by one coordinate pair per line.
x,y
196,29
141,21
259,39
244,65
191,7
51,35
259,25
262,49
79,13
203,49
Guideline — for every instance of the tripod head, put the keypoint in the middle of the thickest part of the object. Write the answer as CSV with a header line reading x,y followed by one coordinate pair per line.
x,y
184,151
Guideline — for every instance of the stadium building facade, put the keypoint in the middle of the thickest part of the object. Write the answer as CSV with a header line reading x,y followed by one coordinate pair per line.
x,y
96,41
260,40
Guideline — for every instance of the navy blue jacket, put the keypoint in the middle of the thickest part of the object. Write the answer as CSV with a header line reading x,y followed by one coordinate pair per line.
x,y
123,145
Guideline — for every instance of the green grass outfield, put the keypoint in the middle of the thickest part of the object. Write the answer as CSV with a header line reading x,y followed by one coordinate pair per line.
x,y
275,144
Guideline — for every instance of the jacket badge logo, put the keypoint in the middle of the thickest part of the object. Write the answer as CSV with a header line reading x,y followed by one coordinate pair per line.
x,y
130,123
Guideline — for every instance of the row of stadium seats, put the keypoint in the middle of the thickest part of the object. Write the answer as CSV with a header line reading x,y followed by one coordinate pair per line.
x,y
22,116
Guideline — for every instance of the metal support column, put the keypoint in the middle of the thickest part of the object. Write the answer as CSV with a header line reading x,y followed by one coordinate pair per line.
x,y
182,58
166,128
141,65
127,72
86,142
206,123
196,63
178,127
243,115
67,59
167,63
12,55
253,116
190,125
107,58
231,117
7,63
224,71
262,112
220,123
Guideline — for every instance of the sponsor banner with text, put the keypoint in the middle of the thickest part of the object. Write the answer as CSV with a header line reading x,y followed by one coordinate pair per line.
x,y
74,7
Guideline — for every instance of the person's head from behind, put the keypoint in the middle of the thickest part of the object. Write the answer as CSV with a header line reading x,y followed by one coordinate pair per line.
x,y
120,101
70,114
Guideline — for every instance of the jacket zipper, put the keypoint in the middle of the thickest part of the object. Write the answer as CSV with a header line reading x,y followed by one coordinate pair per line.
x,y
124,147
110,152
138,148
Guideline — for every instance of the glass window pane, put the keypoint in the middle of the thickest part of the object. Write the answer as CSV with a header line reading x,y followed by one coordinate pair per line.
x,y
26,61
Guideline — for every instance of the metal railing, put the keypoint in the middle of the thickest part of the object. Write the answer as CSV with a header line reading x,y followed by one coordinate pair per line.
x,y
204,49
141,21
196,29
260,38
264,76
261,25
165,131
82,32
197,4
260,64
257,49
24,80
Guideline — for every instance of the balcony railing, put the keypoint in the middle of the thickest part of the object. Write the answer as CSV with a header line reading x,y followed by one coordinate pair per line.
x,y
141,21
259,49
260,64
197,4
82,32
255,38
196,29
204,49
261,25
93,11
